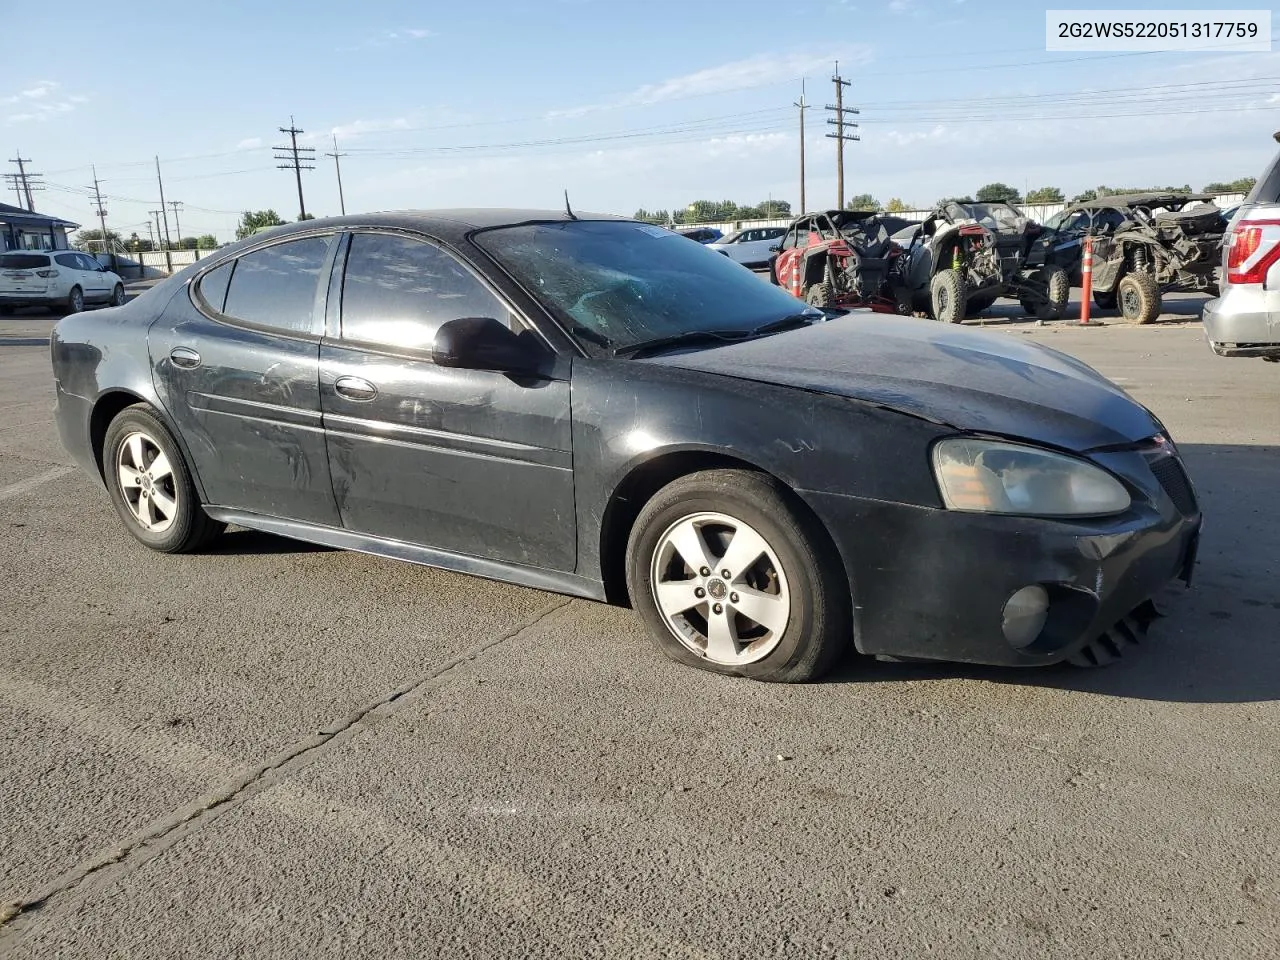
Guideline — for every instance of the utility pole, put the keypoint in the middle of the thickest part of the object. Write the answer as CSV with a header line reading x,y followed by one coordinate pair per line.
x,y
294,155
840,136
176,226
151,235
160,244
163,212
102,213
803,107
24,183
342,204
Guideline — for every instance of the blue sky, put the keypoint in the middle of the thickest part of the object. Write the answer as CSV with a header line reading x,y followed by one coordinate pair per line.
x,y
626,104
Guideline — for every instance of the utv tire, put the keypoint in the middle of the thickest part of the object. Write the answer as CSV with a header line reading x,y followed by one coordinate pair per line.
x,y
1105,301
948,296
1057,288
820,295
773,608
1138,297
150,484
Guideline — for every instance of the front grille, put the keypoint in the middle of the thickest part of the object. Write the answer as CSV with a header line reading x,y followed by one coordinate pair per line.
x,y
1175,482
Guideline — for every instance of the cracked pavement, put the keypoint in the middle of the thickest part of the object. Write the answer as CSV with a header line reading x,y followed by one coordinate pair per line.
x,y
281,750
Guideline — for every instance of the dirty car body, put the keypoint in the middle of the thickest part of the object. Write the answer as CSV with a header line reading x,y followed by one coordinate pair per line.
x,y
506,393
843,258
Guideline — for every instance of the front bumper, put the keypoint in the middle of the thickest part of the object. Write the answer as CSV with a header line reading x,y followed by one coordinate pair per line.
x,y
1233,332
932,584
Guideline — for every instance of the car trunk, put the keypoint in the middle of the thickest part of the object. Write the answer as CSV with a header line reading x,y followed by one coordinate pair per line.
x,y
20,273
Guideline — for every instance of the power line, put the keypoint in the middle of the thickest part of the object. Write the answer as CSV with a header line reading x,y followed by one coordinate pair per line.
x,y
839,122
342,204
294,156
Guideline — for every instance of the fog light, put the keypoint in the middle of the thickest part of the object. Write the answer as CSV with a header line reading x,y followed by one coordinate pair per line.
x,y
1024,615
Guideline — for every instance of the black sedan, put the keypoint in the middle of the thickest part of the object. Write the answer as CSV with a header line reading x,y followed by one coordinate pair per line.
x,y
600,407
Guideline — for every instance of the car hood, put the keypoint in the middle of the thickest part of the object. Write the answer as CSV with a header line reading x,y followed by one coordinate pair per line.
x,y
967,379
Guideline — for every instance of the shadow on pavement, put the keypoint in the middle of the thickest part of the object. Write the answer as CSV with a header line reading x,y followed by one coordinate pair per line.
x,y
1219,642
236,542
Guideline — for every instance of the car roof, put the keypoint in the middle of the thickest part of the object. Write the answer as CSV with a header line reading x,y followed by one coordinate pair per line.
x,y
449,224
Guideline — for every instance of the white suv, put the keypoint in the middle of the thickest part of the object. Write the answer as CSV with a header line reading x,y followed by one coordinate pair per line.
x,y
57,279
751,247
1245,320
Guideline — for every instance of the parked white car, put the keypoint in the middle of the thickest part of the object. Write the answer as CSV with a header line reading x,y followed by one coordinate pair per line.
x,y
56,279
750,247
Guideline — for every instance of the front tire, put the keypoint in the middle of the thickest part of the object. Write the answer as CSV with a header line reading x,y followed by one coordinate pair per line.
x,y
117,296
150,484
1057,291
730,576
949,296
1138,297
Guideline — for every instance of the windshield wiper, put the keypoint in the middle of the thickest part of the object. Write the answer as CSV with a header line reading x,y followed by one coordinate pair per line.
x,y
788,323
689,336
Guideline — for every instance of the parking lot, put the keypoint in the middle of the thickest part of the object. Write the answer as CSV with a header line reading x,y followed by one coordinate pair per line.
x,y
280,749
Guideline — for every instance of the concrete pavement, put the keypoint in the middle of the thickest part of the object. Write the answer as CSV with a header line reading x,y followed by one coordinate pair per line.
x,y
278,750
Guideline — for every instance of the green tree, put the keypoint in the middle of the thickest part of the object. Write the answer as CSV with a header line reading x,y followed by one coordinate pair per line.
x,y
996,192
863,201
1046,195
1243,185
206,241
896,205
136,244
254,220
92,239
774,209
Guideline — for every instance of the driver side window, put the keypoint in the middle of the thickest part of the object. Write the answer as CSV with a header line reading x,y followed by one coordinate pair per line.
x,y
397,291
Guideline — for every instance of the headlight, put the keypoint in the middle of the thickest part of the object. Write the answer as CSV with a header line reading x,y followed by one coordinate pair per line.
x,y
990,476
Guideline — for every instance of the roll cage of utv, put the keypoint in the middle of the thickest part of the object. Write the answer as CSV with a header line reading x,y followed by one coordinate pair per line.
x,y
965,255
843,258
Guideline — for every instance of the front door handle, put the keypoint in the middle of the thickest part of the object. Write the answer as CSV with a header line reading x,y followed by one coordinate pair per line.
x,y
184,357
355,388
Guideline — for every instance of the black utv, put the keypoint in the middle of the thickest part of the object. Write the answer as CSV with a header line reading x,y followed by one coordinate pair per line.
x,y
1144,245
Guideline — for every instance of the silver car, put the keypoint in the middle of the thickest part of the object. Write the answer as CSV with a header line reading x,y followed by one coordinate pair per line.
x,y
1245,320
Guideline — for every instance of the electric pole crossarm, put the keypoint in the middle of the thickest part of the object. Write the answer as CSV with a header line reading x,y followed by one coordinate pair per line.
x,y
294,157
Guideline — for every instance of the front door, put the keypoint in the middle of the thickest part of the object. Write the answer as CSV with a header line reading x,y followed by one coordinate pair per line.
x,y
237,367
469,461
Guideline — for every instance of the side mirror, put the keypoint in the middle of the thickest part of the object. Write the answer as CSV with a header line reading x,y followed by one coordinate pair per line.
x,y
775,248
482,343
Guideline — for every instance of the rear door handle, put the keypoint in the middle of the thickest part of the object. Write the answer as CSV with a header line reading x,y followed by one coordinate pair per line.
x,y
184,357
355,388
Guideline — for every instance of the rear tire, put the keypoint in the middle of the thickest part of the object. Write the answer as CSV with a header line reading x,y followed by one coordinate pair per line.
x,y
75,300
1138,297
820,295
150,484
783,613
1057,287
948,296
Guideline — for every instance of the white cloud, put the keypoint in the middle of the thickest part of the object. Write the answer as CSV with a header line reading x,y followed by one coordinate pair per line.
x,y
736,75
358,128
901,6
249,143
40,101
385,38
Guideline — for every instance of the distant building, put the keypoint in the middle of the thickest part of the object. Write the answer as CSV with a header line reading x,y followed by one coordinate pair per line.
x,y
23,230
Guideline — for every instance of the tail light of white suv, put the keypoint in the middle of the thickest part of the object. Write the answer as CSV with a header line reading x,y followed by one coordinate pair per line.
x,y
1252,250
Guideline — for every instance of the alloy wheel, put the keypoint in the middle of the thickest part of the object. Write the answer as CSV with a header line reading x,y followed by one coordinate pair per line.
x,y
147,482
720,588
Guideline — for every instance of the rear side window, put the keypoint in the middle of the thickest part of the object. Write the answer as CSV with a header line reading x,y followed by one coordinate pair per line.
x,y
398,291
69,260
276,286
1267,189
23,261
213,285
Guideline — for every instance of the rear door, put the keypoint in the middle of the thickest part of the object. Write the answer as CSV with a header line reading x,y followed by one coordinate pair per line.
x,y
469,461
26,274
236,362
